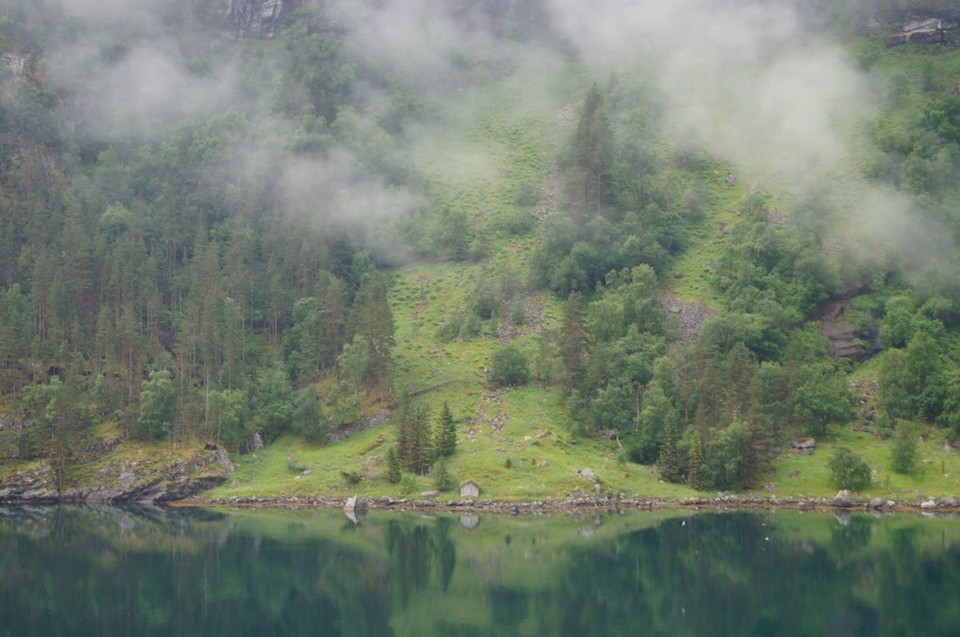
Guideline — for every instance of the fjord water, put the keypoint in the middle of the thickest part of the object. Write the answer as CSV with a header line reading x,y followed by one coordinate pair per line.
x,y
74,570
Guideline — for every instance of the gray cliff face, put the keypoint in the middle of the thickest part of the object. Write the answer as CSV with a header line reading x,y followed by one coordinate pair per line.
x,y
248,18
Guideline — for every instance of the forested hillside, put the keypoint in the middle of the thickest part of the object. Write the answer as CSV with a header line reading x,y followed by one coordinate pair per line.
x,y
500,240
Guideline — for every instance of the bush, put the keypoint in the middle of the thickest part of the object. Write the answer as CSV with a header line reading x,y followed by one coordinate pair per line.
x,y
509,366
849,470
351,477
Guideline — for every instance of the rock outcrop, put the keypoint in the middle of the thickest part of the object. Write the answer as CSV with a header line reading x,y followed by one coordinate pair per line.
x,y
121,477
849,334
926,30
248,18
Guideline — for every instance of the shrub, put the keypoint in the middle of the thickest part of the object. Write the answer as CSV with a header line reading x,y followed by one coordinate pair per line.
x,y
351,477
849,470
509,366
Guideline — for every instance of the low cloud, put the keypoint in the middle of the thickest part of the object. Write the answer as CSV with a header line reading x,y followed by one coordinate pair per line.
x,y
133,93
744,80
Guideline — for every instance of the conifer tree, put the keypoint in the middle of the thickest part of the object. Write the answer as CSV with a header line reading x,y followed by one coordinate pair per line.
x,y
372,321
446,437
441,477
668,462
695,466
394,469
590,158
421,449
413,439
574,344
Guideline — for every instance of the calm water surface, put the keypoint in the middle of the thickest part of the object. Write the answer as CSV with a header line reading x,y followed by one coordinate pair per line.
x,y
74,570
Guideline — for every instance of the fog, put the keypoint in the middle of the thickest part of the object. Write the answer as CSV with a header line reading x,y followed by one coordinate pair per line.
x,y
748,82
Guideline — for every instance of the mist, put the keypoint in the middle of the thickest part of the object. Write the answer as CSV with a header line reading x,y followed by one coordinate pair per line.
x,y
760,85
744,80
749,82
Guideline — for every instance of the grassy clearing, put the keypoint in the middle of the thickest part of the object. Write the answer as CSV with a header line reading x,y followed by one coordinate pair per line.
x,y
693,269
938,474
543,459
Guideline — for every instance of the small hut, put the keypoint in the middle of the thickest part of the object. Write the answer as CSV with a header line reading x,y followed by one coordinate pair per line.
x,y
469,489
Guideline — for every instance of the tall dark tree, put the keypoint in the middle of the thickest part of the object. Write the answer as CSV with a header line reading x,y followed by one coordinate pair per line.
x,y
413,438
446,436
574,346
590,159
372,321
695,465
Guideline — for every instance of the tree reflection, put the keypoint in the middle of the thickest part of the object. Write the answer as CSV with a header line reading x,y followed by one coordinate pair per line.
x,y
102,570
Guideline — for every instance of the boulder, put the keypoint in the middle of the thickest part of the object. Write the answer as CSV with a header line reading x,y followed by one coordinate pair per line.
x,y
949,502
930,504
589,475
843,499
355,504
876,503
251,443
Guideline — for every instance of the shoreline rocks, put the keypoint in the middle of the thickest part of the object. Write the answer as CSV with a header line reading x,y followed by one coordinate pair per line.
x,y
613,502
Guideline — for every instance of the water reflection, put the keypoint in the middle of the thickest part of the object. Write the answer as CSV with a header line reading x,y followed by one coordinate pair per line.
x,y
103,570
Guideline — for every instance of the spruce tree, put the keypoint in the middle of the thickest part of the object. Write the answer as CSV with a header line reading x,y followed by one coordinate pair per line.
x,y
441,477
422,450
404,437
668,462
590,159
413,439
446,437
574,344
695,466
393,466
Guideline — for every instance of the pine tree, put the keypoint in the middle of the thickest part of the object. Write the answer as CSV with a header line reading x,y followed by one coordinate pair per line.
x,y
446,437
404,436
422,450
695,466
590,158
573,344
668,462
441,477
394,469
372,321
413,439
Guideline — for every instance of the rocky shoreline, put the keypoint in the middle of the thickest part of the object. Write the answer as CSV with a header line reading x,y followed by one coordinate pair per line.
x,y
842,502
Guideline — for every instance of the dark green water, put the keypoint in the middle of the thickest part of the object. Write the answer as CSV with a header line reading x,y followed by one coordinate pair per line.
x,y
142,571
